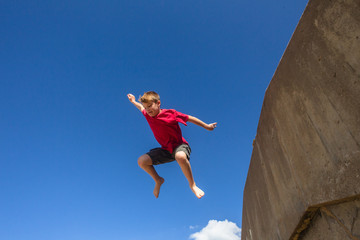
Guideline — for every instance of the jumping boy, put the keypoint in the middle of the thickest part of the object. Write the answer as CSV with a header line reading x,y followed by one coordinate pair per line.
x,y
165,125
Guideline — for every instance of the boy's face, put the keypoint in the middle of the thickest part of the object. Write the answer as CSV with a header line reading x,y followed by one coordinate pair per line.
x,y
152,108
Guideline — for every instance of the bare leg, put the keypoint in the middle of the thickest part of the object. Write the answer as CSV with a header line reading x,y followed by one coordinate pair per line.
x,y
145,163
186,169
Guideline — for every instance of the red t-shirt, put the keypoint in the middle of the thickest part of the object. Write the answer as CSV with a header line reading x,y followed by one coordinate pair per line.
x,y
166,129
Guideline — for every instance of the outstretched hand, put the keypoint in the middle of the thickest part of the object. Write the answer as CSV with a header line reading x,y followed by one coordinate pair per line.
x,y
131,97
133,101
211,126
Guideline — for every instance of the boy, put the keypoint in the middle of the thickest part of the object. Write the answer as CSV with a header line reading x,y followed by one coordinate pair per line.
x,y
165,126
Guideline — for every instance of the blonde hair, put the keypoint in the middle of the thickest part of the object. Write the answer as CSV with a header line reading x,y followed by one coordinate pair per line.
x,y
150,96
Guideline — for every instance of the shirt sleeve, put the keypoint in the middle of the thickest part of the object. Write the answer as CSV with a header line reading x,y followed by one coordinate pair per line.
x,y
182,118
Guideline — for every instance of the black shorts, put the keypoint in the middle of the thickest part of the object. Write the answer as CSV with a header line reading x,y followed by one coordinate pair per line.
x,y
160,156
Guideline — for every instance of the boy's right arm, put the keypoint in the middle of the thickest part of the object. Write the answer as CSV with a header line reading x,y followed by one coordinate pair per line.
x,y
133,101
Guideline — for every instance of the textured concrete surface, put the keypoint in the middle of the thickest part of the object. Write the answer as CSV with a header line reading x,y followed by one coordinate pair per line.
x,y
306,153
338,221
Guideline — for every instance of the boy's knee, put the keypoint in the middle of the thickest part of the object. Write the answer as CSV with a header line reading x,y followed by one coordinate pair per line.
x,y
181,157
144,160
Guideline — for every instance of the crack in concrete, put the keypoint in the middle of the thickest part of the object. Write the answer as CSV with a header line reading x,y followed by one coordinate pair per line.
x,y
333,216
313,211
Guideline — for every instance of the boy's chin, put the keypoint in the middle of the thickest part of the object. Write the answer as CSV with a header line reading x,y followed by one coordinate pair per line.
x,y
154,114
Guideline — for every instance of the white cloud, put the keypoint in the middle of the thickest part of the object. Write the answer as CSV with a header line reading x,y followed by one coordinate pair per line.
x,y
193,227
218,230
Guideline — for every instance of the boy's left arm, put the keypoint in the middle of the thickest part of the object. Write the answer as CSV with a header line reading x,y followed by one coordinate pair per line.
x,y
200,123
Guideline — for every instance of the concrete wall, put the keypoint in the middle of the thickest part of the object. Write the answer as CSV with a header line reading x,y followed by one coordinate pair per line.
x,y
306,154
337,221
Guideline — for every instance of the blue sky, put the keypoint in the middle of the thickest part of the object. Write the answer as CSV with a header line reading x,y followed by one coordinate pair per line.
x,y
70,138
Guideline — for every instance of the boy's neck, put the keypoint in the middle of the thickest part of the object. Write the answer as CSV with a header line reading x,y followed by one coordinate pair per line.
x,y
158,113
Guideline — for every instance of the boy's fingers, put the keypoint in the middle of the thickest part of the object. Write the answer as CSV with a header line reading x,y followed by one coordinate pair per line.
x,y
211,126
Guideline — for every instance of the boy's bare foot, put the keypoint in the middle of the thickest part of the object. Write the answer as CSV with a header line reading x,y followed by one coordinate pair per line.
x,y
197,191
157,187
